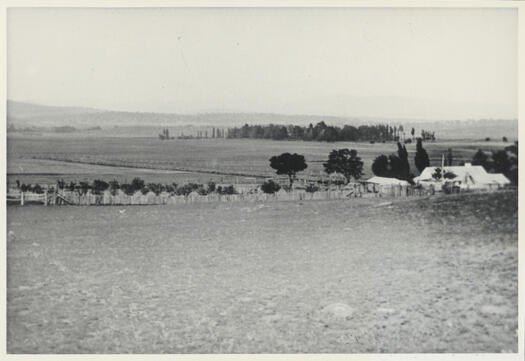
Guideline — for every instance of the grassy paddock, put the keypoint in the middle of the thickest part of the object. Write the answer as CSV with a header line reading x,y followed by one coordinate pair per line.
x,y
433,275
243,156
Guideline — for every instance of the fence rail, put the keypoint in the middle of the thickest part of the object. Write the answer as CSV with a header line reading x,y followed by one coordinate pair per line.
x,y
28,197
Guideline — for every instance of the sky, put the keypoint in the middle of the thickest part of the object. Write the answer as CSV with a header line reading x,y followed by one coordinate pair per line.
x,y
386,62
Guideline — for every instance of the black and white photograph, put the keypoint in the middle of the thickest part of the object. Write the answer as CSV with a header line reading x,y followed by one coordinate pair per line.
x,y
262,179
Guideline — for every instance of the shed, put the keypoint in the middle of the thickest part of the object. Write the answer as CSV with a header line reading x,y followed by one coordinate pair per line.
x,y
384,181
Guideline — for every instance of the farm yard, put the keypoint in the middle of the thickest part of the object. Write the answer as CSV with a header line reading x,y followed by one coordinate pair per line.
x,y
428,275
197,160
277,180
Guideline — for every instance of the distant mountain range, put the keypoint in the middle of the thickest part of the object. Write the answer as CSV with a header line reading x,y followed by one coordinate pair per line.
x,y
23,114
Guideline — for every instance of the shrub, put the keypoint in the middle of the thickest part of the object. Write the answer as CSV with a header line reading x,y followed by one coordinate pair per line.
x,y
270,187
137,184
171,188
211,187
505,139
61,184
156,188
83,187
187,189
128,189
37,189
144,190
337,181
449,188
114,186
312,188
226,190
71,186
201,190
487,139
99,186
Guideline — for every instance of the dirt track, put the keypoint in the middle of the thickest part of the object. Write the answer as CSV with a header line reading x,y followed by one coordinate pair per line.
x,y
436,275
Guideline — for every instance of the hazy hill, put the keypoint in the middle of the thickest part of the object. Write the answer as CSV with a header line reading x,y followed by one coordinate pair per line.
x,y
25,110
22,114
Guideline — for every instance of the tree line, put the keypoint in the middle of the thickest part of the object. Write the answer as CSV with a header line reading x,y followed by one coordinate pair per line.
x,y
323,132
502,161
99,186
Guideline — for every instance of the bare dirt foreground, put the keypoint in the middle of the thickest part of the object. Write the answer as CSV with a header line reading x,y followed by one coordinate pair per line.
x,y
436,275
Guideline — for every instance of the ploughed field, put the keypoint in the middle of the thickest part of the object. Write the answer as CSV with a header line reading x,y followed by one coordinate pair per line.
x,y
360,275
88,158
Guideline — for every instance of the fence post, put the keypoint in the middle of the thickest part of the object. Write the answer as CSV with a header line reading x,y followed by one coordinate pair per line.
x,y
21,198
45,198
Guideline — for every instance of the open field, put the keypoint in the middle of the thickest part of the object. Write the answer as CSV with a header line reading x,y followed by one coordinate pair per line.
x,y
428,275
229,157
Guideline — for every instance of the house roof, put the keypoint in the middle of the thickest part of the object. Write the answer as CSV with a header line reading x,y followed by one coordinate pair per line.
x,y
386,181
496,178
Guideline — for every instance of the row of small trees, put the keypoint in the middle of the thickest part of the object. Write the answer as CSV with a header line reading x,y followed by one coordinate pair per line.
x,y
138,185
165,135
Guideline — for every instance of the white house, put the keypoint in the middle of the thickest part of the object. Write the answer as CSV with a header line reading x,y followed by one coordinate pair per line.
x,y
467,177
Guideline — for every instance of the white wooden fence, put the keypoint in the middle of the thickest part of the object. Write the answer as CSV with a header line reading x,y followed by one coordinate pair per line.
x,y
28,197
64,197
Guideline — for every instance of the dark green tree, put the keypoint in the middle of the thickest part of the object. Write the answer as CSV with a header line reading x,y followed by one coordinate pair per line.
x,y
345,162
381,166
481,158
450,157
501,162
404,167
421,158
99,186
288,164
513,172
137,184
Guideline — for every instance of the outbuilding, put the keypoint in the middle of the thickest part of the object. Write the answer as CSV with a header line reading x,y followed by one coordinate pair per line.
x,y
385,181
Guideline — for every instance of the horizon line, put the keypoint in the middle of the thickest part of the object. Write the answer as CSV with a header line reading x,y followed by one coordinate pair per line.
x,y
342,117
